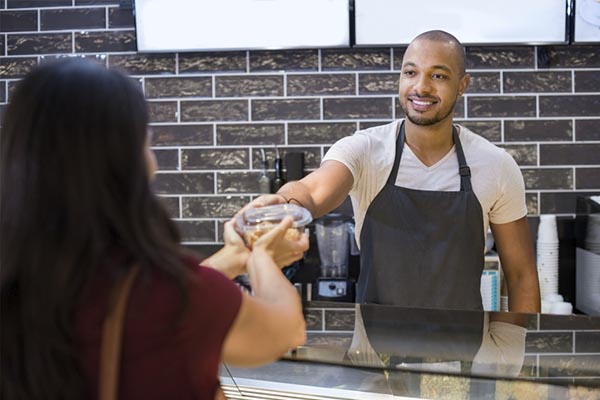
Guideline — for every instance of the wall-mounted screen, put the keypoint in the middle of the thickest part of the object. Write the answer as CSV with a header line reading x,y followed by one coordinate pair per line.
x,y
587,21
397,22
196,25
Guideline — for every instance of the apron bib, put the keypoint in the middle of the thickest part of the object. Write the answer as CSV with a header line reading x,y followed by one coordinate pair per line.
x,y
423,248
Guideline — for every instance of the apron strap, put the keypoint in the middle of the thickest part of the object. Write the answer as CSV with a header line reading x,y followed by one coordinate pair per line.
x,y
463,169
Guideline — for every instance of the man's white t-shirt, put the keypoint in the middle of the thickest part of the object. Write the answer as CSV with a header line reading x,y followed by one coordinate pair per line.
x,y
369,155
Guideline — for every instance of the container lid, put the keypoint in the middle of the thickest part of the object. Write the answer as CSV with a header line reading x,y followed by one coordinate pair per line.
x,y
262,217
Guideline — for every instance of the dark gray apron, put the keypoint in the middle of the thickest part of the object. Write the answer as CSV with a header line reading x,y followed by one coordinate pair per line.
x,y
423,248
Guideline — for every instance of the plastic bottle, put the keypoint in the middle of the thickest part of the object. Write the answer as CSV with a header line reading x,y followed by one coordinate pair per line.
x,y
279,180
264,182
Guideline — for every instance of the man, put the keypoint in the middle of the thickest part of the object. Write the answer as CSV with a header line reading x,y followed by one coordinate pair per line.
x,y
424,192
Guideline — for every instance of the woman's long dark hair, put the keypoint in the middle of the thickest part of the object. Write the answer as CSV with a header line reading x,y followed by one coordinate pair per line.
x,y
74,185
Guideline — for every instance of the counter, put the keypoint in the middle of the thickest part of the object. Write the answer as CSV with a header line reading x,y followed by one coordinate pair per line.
x,y
370,351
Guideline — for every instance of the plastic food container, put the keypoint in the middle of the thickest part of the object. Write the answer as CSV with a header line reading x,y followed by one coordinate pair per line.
x,y
255,222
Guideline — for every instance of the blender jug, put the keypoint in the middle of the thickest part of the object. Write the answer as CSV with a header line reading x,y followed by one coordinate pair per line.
x,y
332,241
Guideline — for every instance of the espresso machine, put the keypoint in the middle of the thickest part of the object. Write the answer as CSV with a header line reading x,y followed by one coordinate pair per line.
x,y
335,240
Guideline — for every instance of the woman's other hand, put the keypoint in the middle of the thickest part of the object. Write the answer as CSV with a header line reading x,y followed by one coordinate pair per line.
x,y
284,249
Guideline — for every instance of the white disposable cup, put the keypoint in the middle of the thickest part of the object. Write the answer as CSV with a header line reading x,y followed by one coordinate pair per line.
x,y
554,298
547,231
562,308
546,307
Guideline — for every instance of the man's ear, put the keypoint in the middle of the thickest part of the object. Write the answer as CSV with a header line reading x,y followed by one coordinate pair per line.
x,y
464,84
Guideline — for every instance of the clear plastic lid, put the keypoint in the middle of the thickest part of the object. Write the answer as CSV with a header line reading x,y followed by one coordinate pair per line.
x,y
266,217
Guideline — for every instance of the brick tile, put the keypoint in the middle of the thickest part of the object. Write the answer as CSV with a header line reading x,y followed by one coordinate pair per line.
x,y
120,18
398,56
480,57
72,18
312,156
253,85
378,83
214,110
184,183
339,320
570,154
162,111
320,132
16,67
182,135
531,199
178,87
524,154
573,56
569,106
107,41
556,366
213,206
561,202
146,64
549,342
587,178
548,178
587,342
355,108
314,319
288,109
217,62
250,134
484,82
39,43
355,59
537,82
587,81
196,231
491,130
37,3
167,159
215,159
321,85
501,106
587,129
538,130
284,60
18,21
237,182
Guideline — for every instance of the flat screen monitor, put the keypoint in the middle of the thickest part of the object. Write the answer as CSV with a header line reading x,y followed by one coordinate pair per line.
x,y
587,21
397,22
197,25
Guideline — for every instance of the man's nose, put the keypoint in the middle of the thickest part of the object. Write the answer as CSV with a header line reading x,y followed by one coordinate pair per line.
x,y
423,85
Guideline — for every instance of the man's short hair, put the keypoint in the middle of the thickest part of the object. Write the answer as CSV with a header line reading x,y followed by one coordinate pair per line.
x,y
442,36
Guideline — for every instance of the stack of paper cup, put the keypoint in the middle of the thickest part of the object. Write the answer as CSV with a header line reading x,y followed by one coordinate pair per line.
x,y
547,255
592,237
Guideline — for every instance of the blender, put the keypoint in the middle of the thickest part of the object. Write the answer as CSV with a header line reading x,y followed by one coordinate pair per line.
x,y
333,242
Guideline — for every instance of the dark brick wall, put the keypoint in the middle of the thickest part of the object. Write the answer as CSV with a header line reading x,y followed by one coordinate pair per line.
x,y
213,111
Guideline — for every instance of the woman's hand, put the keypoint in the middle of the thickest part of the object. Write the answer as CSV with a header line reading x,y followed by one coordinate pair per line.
x,y
232,258
284,251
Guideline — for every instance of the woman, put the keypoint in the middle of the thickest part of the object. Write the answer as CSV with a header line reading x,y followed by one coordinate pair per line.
x,y
77,213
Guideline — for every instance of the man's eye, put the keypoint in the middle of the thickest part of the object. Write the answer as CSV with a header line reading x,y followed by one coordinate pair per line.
x,y
439,76
409,73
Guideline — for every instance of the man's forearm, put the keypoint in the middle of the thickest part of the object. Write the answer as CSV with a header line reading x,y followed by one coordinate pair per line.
x,y
297,193
524,294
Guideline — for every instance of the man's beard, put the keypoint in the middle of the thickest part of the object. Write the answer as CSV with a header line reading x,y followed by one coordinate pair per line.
x,y
423,121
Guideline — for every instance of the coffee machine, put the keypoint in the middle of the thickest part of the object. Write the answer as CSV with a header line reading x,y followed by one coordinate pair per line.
x,y
335,242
